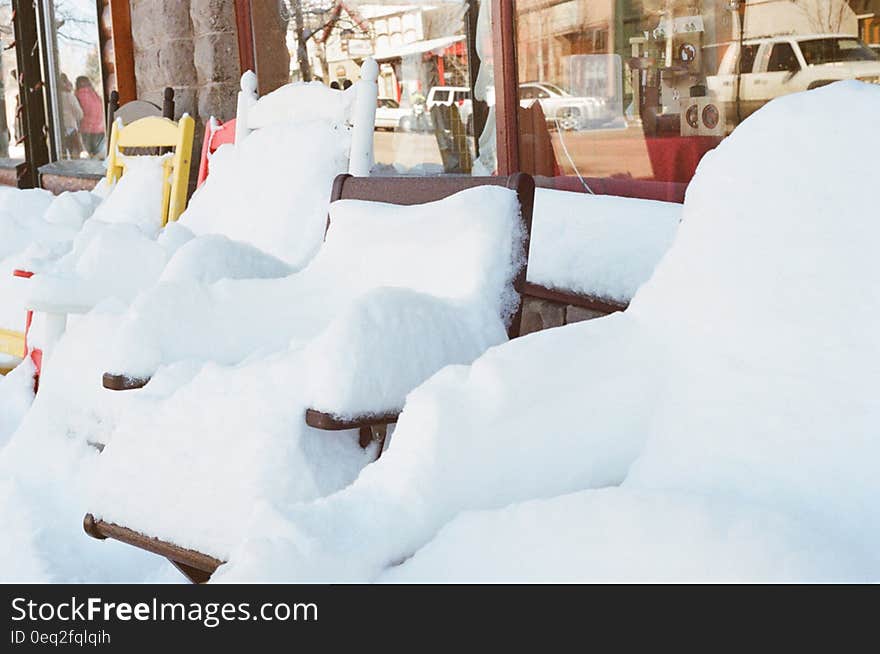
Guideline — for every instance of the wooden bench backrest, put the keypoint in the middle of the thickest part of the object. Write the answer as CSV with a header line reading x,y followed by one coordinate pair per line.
x,y
419,190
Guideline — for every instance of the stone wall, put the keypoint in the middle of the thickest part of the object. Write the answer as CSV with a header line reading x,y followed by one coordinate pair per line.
x,y
191,46
543,314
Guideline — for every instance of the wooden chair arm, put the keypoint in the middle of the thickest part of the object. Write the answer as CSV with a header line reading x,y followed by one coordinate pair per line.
x,y
328,422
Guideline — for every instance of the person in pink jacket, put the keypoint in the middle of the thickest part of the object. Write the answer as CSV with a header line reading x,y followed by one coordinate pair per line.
x,y
92,125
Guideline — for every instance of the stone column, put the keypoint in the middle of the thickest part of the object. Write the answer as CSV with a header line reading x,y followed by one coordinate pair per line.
x,y
191,46
215,55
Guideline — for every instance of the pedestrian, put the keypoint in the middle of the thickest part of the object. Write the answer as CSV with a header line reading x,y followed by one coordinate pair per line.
x,y
92,126
71,115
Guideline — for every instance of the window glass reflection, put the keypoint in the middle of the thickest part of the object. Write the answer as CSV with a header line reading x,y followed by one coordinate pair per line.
x,y
425,121
11,142
77,89
638,91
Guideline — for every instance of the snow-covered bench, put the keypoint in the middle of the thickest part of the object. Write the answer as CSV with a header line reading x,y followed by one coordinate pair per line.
x,y
595,251
396,293
404,191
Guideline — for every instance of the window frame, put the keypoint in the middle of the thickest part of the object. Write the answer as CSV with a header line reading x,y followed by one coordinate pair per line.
x,y
35,58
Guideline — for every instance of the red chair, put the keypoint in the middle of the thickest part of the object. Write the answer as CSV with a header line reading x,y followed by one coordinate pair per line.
x,y
217,133
36,354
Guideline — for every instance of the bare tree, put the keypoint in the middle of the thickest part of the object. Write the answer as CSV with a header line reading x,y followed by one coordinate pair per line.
x,y
318,20
825,16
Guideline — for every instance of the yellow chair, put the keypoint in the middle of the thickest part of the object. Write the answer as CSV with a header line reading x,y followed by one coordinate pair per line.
x,y
154,133
11,344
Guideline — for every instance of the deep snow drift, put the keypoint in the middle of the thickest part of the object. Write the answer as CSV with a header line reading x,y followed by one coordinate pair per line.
x,y
35,229
747,366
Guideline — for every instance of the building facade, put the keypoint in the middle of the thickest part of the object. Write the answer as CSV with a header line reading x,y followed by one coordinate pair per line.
x,y
620,97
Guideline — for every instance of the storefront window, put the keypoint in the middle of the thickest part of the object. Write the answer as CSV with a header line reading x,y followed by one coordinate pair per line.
x,y
76,87
636,92
426,116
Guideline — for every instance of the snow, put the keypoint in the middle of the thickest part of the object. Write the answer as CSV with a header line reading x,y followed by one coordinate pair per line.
x,y
783,335
746,442
107,260
301,103
17,206
282,209
349,332
213,257
17,547
16,395
506,429
260,194
143,180
440,249
364,363
619,535
279,222
723,428
598,245
80,242
35,228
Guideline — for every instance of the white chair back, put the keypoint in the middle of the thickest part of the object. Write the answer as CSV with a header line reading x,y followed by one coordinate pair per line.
x,y
357,105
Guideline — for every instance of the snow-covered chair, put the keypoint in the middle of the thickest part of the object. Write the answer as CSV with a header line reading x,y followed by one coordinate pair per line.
x,y
153,132
234,245
303,100
416,273
217,133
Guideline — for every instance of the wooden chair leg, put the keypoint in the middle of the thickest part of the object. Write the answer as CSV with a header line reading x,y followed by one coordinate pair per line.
x,y
365,437
194,575
373,433
380,433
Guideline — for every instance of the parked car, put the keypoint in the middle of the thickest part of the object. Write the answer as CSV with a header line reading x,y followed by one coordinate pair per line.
x,y
447,95
774,66
391,116
562,109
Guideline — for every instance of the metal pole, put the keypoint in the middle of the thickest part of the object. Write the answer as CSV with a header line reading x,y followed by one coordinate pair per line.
x,y
31,92
50,63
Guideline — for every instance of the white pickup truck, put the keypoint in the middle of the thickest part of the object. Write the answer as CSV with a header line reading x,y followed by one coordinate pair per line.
x,y
774,66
